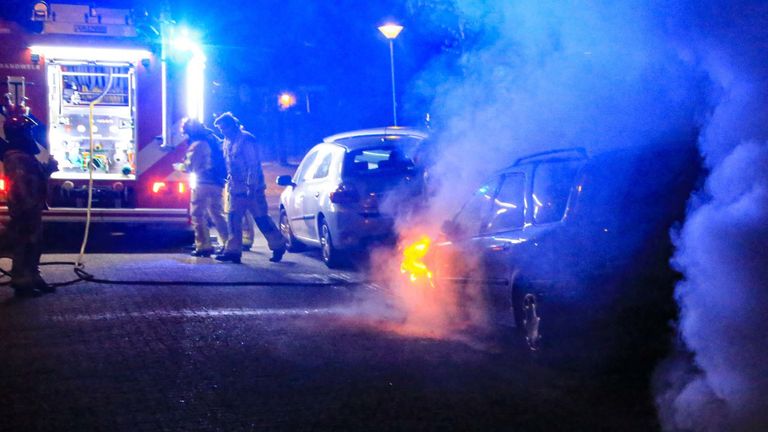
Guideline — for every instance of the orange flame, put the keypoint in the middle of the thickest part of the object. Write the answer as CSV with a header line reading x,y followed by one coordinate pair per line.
x,y
413,261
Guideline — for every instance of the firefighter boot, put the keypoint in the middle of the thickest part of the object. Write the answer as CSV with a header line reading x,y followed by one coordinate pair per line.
x,y
228,257
277,255
31,285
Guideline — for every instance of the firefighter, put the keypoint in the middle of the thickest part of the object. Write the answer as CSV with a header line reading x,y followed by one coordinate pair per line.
x,y
245,188
205,160
28,184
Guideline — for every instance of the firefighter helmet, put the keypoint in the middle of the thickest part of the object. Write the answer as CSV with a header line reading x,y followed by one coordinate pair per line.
x,y
18,127
193,128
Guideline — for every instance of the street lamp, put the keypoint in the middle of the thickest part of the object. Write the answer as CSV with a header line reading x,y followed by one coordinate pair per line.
x,y
390,31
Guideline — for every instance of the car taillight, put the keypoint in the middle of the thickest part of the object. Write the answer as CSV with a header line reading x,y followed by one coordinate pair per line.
x,y
157,187
161,187
3,185
344,195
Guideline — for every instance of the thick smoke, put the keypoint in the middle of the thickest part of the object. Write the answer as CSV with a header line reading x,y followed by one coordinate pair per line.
x,y
534,75
724,297
549,74
722,301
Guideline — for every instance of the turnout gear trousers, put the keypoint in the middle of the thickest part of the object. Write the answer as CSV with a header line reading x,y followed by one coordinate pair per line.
x,y
256,204
245,188
26,202
206,201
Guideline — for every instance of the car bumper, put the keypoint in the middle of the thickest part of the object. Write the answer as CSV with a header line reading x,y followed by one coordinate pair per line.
x,y
170,216
357,230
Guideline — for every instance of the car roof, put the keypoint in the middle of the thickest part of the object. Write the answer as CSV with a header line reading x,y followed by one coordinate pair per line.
x,y
570,153
363,138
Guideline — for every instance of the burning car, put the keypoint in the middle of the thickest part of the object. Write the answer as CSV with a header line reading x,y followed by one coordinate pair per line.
x,y
574,248
348,189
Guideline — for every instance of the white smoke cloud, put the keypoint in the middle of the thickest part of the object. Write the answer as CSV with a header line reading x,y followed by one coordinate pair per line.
x,y
720,246
724,295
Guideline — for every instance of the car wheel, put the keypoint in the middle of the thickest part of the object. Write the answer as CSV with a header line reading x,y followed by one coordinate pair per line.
x,y
331,255
291,243
531,322
527,314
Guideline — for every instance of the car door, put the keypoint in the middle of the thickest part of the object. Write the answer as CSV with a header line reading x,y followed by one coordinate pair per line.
x,y
458,257
523,240
295,202
527,249
316,189
503,239
551,251
503,232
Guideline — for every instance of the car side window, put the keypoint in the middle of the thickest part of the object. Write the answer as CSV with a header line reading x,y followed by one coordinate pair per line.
x,y
301,173
552,184
509,205
323,167
473,218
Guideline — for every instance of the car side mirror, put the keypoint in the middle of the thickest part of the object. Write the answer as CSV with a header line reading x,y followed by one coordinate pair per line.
x,y
285,180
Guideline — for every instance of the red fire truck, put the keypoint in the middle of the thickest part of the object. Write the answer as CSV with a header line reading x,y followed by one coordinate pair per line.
x,y
111,99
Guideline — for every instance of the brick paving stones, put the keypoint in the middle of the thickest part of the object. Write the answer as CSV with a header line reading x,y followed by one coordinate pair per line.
x,y
106,357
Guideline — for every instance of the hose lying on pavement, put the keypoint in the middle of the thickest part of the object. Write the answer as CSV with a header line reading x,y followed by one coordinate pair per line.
x,y
84,276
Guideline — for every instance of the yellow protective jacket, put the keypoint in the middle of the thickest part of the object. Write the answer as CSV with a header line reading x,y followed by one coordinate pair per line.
x,y
243,164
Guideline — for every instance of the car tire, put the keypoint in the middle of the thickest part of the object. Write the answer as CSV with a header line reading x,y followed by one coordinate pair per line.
x,y
525,304
331,256
292,244
553,333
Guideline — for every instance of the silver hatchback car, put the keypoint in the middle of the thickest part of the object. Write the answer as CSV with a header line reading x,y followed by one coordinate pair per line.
x,y
348,189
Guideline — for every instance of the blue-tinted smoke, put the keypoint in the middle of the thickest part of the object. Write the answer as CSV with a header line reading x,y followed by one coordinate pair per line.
x,y
720,249
541,74
549,74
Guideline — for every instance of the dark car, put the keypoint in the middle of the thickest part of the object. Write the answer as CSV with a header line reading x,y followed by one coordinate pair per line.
x,y
574,248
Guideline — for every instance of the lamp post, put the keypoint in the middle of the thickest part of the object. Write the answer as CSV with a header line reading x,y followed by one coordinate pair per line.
x,y
390,31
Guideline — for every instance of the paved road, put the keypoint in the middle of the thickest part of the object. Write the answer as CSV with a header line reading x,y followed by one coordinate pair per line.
x,y
312,353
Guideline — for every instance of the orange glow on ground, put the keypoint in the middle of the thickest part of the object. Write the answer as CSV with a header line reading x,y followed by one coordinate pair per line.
x,y
427,302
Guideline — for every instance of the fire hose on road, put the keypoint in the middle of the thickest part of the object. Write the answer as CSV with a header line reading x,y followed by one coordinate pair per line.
x,y
84,276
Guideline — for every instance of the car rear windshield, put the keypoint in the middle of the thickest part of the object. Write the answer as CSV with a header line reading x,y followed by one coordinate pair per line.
x,y
405,142
373,161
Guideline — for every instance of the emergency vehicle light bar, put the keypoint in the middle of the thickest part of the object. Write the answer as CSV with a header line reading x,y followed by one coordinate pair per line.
x,y
90,53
